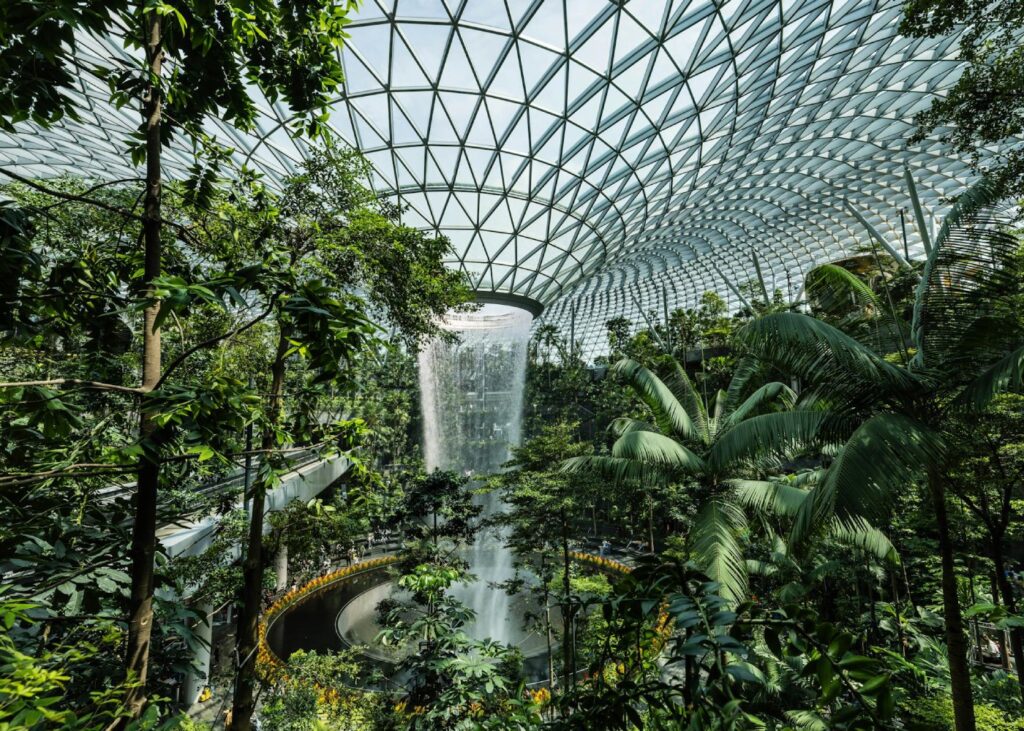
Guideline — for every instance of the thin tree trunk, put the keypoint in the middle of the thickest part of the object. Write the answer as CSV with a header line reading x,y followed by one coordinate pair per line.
x,y
1016,635
900,637
1004,655
253,564
956,641
650,524
143,548
568,659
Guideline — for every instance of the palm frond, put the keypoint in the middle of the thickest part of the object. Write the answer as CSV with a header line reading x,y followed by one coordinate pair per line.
x,y
884,455
859,533
1005,373
806,478
716,544
970,284
778,434
761,568
819,353
669,414
718,406
619,469
624,425
770,394
654,448
747,372
678,382
773,497
832,286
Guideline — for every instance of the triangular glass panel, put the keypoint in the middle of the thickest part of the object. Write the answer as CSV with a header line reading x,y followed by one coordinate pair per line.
x,y
441,130
401,131
595,53
628,37
535,62
460,108
552,96
490,14
357,77
508,82
405,72
457,72
483,50
548,25
503,113
579,14
428,44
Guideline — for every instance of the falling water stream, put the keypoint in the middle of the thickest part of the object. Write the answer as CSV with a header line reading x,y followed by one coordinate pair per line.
x,y
472,399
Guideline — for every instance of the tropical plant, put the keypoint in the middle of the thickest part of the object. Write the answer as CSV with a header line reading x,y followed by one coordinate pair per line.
x,y
453,680
191,61
890,422
710,676
318,692
981,114
706,442
543,517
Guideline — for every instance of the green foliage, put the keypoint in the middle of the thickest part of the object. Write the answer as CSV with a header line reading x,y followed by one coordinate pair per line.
x,y
935,713
250,266
895,424
287,50
984,107
317,692
437,516
541,521
453,680
36,689
692,438
715,671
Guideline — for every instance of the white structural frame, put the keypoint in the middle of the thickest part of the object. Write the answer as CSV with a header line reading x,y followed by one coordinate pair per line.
x,y
608,158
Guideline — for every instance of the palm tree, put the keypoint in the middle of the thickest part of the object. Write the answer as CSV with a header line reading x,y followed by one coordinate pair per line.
x,y
890,421
776,502
707,441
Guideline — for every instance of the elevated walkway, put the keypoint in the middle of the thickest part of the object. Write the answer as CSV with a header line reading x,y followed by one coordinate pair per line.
x,y
190,537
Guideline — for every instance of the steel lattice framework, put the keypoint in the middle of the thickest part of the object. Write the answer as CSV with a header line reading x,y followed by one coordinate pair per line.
x,y
606,157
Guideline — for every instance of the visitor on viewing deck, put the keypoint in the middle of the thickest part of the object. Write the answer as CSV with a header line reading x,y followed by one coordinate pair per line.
x,y
605,547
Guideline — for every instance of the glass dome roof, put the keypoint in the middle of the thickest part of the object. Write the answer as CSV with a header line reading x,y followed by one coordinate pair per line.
x,y
600,157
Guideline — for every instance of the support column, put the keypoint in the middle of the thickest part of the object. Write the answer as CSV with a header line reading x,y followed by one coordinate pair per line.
x,y
281,567
199,673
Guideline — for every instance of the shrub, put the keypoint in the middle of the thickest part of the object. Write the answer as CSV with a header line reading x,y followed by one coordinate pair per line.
x,y
935,713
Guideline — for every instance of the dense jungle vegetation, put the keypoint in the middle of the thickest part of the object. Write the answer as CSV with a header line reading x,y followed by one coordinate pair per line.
x,y
770,510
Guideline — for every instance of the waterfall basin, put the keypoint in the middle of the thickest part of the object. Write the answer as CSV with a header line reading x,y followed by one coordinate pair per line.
x,y
344,615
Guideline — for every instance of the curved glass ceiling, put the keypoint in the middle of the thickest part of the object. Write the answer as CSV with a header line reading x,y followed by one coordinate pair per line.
x,y
601,157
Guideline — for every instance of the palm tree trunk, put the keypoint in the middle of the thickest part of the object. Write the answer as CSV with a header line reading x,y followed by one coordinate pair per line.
x,y
143,548
252,567
956,640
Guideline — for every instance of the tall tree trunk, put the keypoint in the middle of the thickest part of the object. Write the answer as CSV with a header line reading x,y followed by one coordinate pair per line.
x,y
546,598
252,566
568,654
956,641
1006,591
143,548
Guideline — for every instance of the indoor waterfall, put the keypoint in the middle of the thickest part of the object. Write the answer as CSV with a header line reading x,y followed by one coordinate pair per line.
x,y
472,398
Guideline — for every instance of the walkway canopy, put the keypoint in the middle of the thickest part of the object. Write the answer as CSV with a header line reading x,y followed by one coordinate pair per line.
x,y
599,157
